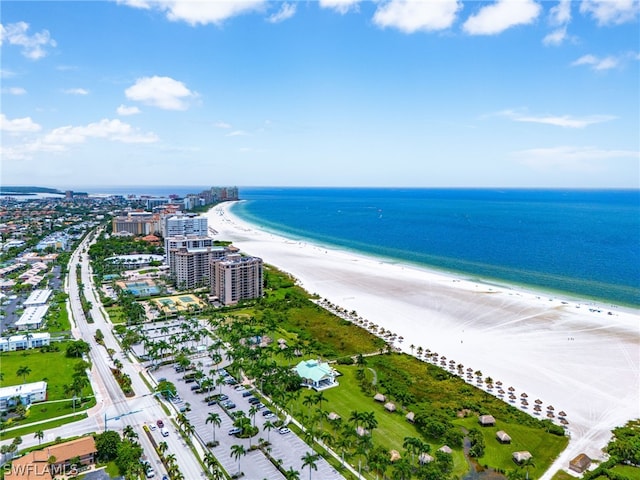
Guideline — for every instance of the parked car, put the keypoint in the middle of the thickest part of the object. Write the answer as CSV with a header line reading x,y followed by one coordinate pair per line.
x,y
160,423
235,431
253,400
266,412
152,427
239,388
223,397
283,430
270,415
229,405
247,393
260,406
211,402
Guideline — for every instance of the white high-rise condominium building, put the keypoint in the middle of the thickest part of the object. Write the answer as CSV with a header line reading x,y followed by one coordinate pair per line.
x,y
185,224
235,278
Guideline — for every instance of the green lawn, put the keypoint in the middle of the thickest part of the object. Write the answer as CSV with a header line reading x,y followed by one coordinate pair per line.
x,y
627,471
116,315
53,367
562,475
392,428
23,432
543,446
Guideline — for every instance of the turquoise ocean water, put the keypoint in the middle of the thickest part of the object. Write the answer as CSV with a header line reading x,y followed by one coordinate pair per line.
x,y
580,243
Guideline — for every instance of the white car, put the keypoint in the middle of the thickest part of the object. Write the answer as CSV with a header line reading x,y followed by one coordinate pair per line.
x,y
152,427
283,430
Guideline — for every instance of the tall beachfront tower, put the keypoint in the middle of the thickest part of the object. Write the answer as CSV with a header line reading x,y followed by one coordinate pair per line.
x,y
235,278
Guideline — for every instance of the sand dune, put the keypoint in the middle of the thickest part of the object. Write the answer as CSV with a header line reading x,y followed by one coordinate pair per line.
x,y
579,357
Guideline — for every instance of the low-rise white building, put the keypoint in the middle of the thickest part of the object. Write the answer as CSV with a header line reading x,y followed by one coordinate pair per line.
x,y
32,318
24,342
28,393
38,297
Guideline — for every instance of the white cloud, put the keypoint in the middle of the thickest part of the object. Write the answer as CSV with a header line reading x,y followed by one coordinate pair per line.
x,y
161,92
500,16
33,46
566,121
125,111
411,16
287,11
570,158
18,125
198,12
114,130
597,63
340,6
559,17
76,91
611,12
221,125
14,91
237,133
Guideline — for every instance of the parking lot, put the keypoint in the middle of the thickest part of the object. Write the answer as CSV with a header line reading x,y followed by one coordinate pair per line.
x,y
287,447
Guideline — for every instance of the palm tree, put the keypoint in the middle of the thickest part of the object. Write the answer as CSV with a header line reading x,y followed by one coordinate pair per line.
x,y
292,474
268,426
309,460
237,451
526,464
210,460
23,371
129,433
319,398
39,435
252,413
215,421
162,447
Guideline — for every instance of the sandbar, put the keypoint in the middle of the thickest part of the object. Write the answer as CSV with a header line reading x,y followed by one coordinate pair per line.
x,y
579,357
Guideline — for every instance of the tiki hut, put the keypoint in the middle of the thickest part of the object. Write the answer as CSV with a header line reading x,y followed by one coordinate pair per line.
x,y
520,457
487,420
410,417
361,432
378,397
390,407
503,437
333,416
425,458
445,449
580,463
395,455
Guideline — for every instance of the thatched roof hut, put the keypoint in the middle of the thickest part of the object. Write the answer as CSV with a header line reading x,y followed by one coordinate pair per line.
x,y
410,417
425,458
361,432
520,457
503,437
333,416
378,397
581,463
390,407
395,455
445,449
487,420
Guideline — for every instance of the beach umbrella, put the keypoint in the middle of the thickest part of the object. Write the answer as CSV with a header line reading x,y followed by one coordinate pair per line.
x,y
562,414
550,408
524,395
501,392
550,415
525,403
470,370
499,383
511,389
564,421
538,401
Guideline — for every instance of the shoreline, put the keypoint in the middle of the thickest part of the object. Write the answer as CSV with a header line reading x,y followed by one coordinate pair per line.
x,y
571,354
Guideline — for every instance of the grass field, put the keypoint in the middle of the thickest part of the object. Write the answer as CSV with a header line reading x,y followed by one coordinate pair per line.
x,y
29,429
627,471
53,367
116,315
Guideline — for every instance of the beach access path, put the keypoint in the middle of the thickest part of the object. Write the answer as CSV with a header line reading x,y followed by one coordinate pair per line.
x,y
581,358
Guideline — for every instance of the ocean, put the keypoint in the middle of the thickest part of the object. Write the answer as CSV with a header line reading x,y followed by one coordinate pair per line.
x,y
582,244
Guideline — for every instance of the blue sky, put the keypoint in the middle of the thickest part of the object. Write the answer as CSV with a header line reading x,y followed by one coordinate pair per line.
x,y
442,93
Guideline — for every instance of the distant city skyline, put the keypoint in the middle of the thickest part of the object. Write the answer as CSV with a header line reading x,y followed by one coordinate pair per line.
x,y
434,93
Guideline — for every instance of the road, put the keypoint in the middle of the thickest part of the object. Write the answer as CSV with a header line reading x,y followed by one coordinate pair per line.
x,y
113,410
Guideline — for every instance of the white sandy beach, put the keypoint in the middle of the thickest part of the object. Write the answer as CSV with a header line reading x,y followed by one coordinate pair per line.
x,y
586,363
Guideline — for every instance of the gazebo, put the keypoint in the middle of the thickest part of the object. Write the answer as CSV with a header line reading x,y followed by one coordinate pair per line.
x,y
445,449
378,397
410,417
503,437
487,420
333,416
520,457
425,458
580,463
390,407
315,374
